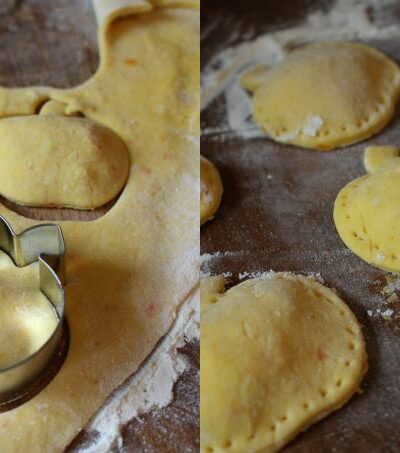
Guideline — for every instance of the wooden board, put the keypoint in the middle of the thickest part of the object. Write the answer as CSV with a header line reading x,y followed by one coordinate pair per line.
x,y
276,213
54,43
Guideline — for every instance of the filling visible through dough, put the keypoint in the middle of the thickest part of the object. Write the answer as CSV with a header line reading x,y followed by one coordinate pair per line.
x,y
325,95
277,354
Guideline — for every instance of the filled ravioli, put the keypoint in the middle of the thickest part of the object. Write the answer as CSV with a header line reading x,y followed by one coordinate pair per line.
x,y
325,95
367,212
277,353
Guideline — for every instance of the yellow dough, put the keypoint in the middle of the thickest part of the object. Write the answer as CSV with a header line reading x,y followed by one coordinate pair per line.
x,y
254,77
277,354
366,214
129,271
27,318
54,108
64,162
21,101
327,95
376,156
211,190
210,288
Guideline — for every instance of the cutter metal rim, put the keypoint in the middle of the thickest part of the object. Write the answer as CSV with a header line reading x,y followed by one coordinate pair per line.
x,y
45,244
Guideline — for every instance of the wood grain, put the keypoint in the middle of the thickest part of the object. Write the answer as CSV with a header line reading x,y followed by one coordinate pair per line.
x,y
276,213
53,42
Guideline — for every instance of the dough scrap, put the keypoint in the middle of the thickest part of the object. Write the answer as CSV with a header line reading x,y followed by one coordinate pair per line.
x,y
211,190
277,354
376,156
27,318
131,270
366,215
327,95
59,161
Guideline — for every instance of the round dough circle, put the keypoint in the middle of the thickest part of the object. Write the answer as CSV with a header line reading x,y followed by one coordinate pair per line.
x,y
328,95
367,214
277,354
211,190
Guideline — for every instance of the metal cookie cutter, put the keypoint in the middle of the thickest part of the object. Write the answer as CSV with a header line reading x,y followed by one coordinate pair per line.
x,y
44,244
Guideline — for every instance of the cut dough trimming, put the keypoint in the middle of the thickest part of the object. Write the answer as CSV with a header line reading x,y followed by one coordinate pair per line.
x,y
129,271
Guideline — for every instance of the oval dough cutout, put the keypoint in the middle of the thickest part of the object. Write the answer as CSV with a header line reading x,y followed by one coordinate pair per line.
x,y
277,354
327,95
366,215
60,161
211,190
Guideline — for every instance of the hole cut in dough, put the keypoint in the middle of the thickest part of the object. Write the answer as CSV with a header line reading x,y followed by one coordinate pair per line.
x,y
211,190
60,161
325,95
278,353
366,211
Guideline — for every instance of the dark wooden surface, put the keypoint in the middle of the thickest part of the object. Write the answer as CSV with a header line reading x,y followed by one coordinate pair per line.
x,y
276,213
54,42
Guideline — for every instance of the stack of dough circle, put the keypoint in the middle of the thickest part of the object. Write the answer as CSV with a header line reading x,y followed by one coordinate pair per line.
x,y
277,354
211,190
367,214
327,95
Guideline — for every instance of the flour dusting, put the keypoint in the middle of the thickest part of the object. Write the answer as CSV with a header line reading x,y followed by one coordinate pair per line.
x,y
152,386
389,307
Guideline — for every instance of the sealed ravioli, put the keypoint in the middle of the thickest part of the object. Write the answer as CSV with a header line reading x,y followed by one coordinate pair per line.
x,y
59,161
210,191
326,95
367,214
277,353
